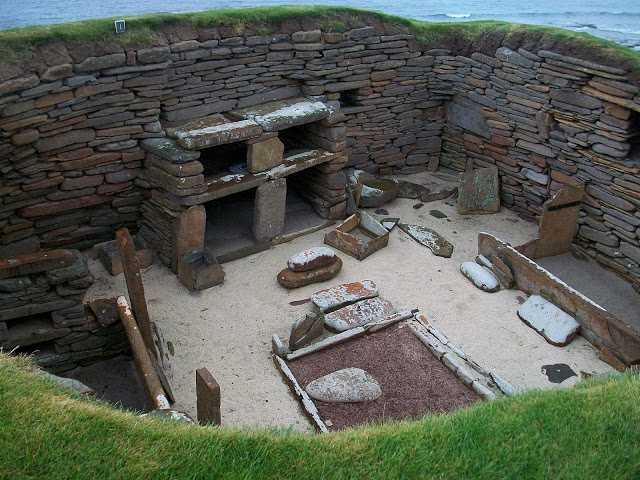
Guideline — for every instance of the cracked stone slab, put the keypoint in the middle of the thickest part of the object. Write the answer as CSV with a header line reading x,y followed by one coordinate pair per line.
x,y
351,385
429,238
557,327
359,314
274,116
340,295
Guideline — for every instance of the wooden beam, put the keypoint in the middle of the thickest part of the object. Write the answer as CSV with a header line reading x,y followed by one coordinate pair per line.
x,y
141,356
133,278
208,398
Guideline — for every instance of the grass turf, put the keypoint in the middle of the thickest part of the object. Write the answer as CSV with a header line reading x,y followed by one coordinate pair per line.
x,y
590,431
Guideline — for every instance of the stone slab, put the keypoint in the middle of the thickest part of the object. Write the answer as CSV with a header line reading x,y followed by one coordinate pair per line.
x,y
335,297
269,209
305,330
27,263
169,150
31,332
105,310
480,277
559,221
467,118
262,156
479,191
283,114
311,258
290,279
429,238
187,233
213,130
557,327
350,385
360,235
358,314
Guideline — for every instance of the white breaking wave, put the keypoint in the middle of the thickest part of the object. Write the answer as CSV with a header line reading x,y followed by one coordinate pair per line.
x,y
457,15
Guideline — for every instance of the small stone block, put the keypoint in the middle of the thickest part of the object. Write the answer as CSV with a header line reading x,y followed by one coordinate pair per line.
x,y
557,327
290,279
480,277
483,391
305,330
105,310
451,362
465,375
199,270
277,347
264,155
311,259
208,398
479,191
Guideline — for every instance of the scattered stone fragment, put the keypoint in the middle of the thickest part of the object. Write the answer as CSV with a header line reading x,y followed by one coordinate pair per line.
x,y
305,330
311,259
359,314
480,277
345,294
418,206
558,372
557,327
277,347
351,385
105,310
440,194
381,211
429,238
377,191
290,279
479,191
411,190
389,223
437,214
295,303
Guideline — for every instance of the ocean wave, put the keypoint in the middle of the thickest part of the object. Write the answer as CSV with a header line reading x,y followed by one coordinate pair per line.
x,y
457,15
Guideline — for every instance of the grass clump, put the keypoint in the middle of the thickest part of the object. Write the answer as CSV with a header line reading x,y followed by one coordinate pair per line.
x,y
592,429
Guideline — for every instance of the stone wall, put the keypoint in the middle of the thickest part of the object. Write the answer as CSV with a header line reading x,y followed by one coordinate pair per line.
x,y
42,311
72,121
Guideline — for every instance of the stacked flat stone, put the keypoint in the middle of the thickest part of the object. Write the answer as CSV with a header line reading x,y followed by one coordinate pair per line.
x,y
71,126
41,304
311,266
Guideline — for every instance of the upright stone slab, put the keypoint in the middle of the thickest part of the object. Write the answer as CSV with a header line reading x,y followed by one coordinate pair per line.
x,y
263,155
478,191
559,220
269,209
208,398
188,233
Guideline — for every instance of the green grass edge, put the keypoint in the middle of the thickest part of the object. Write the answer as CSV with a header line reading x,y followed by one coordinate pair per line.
x,y
589,431
19,44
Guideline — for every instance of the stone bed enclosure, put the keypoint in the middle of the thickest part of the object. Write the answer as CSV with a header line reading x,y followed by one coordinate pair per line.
x,y
94,138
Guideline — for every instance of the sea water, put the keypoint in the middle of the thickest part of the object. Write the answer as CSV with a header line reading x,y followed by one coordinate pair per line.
x,y
616,20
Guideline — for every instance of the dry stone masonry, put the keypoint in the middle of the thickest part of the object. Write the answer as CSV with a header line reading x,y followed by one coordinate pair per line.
x,y
94,138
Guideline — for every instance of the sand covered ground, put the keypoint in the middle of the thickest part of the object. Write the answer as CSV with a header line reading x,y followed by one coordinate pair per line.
x,y
228,328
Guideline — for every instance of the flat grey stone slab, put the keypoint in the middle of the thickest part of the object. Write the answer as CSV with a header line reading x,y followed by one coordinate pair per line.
x,y
335,297
169,150
480,277
429,238
557,327
213,130
359,314
311,258
478,191
283,114
352,385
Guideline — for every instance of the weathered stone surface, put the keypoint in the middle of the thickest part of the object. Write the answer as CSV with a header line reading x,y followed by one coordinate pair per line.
x,y
557,327
359,314
480,277
262,156
350,385
154,54
65,139
187,234
376,192
502,271
467,118
290,279
439,194
572,97
105,310
411,190
429,238
36,262
93,64
605,238
269,209
32,331
169,150
20,83
199,270
305,330
284,113
345,294
479,191
559,221
213,130
311,258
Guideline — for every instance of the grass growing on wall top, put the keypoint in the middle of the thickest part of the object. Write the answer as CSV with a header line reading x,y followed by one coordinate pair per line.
x,y
18,44
591,430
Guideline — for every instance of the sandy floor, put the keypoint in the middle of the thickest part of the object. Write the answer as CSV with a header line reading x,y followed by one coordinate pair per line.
x,y
228,328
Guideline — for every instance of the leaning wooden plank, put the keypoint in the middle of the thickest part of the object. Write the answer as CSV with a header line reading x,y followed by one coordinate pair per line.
x,y
141,356
329,342
308,406
133,278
